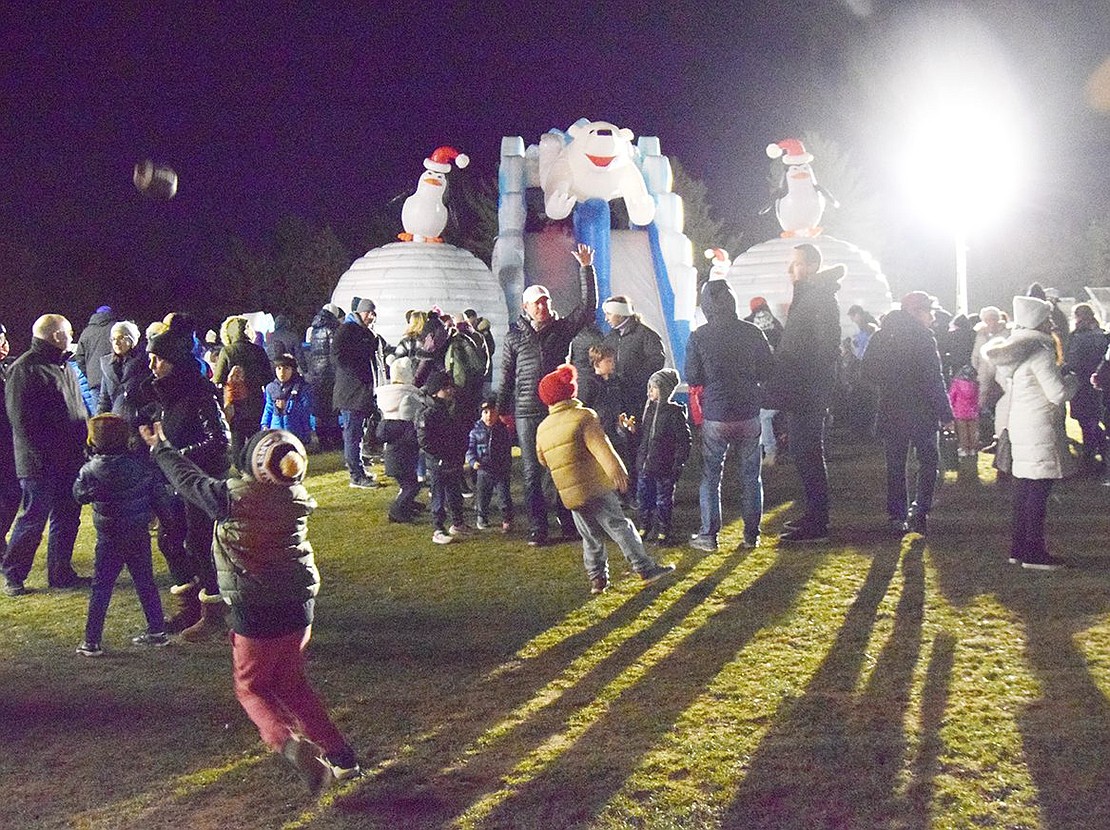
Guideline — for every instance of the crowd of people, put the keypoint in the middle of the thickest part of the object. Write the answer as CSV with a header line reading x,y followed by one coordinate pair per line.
x,y
209,439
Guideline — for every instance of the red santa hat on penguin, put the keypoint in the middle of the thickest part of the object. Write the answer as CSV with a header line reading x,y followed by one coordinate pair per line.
x,y
718,270
440,159
790,150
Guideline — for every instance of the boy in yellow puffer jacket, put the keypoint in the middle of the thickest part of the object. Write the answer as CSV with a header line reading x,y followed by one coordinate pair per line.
x,y
588,473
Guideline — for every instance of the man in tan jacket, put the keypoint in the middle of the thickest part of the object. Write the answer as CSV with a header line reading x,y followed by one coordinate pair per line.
x,y
588,473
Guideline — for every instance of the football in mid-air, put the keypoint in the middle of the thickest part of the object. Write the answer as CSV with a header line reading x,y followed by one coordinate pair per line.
x,y
157,181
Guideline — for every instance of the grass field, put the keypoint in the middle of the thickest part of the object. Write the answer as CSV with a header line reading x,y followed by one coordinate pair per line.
x,y
869,682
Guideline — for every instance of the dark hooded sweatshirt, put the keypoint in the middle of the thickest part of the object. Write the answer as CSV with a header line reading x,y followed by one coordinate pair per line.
x,y
728,357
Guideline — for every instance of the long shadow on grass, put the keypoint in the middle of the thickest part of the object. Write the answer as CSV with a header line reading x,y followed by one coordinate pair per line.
x,y
833,758
1066,733
427,795
574,788
429,788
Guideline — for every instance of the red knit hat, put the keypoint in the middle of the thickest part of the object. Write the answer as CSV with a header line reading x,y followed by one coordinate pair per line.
x,y
756,303
560,385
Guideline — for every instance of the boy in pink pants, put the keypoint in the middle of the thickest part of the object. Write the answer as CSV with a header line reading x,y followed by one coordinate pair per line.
x,y
266,573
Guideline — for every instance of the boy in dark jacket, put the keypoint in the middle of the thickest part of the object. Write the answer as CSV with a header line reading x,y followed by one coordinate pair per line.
x,y
267,574
123,490
490,454
664,448
442,432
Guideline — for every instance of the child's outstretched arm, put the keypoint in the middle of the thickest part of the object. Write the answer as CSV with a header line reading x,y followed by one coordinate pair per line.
x,y
190,481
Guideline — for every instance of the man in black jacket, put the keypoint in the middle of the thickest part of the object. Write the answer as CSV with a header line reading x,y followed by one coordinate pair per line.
x,y
359,356
47,415
903,362
536,344
803,381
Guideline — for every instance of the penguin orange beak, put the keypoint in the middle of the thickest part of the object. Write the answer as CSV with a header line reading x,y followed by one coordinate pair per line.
x,y
799,175
600,161
433,182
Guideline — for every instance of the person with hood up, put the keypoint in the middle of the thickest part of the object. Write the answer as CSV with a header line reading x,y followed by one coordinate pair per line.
x,y
93,344
268,578
729,359
588,473
664,448
320,373
1031,411
284,339
903,362
803,381
399,402
240,350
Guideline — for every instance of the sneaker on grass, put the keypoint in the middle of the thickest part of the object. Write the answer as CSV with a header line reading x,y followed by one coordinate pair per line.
x,y
87,649
481,524
1048,564
461,531
703,543
442,537
343,765
598,584
154,640
655,572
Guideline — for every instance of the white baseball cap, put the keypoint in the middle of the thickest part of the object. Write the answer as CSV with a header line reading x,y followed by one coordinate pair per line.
x,y
533,292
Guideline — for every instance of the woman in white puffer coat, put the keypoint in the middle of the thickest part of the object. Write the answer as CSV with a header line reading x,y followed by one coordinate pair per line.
x,y
1031,410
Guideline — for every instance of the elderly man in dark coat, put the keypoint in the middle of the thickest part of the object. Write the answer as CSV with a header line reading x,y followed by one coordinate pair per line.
x,y
903,362
47,415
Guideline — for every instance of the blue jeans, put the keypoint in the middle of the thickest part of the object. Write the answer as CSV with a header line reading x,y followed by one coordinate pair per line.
x,y
48,498
806,431
114,550
602,517
445,484
767,438
898,440
488,483
717,437
656,497
354,428
534,474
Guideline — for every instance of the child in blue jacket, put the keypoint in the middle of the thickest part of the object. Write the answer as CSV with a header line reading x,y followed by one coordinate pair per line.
x,y
123,490
288,400
490,454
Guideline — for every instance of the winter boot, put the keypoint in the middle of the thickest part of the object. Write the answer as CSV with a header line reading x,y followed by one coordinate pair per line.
x,y
186,613
211,623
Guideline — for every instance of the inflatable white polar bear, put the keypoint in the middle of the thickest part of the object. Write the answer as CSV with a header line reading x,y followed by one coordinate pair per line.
x,y
596,162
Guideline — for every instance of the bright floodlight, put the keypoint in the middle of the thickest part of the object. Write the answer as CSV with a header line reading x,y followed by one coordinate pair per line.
x,y
965,159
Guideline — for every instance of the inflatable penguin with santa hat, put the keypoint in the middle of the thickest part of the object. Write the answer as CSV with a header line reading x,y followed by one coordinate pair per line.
x,y
424,215
799,202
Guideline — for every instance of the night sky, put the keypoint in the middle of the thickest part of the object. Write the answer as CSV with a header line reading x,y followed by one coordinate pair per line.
x,y
325,111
